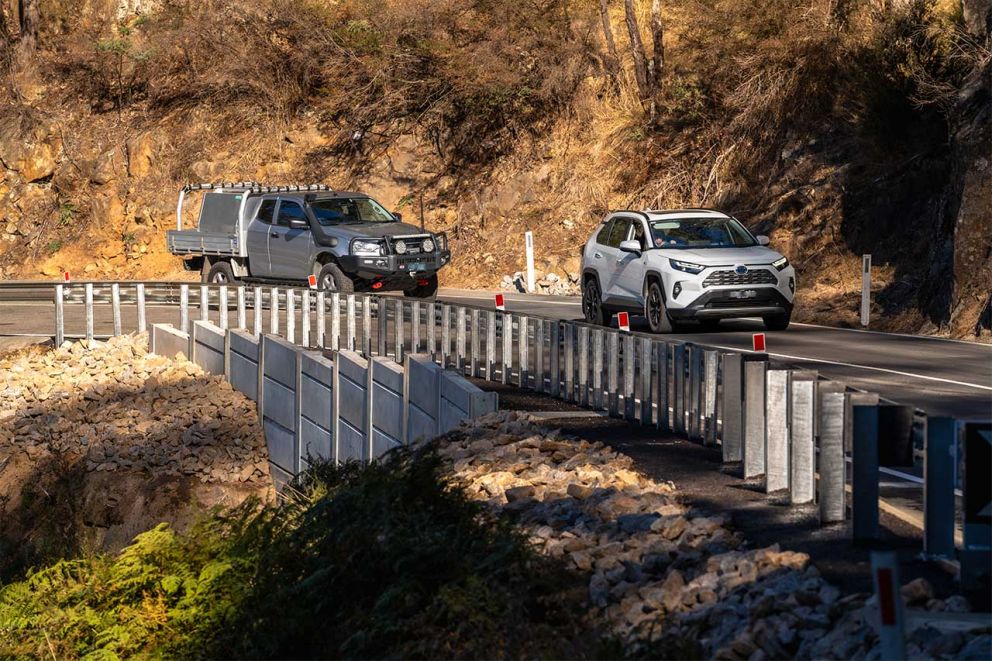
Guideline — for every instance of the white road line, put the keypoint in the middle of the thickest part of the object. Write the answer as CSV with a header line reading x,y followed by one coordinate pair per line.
x,y
867,367
909,335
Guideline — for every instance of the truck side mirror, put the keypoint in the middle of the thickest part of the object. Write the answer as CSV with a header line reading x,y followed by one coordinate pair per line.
x,y
398,216
298,224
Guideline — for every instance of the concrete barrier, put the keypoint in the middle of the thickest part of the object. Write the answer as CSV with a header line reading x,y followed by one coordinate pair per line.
x,y
242,363
209,347
315,393
387,406
168,341
460,400
351,415
279,406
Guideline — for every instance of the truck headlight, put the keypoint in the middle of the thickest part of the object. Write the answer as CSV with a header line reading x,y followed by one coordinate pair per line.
x,y
442,240
780,263
428,245
359,247
685,267
400,247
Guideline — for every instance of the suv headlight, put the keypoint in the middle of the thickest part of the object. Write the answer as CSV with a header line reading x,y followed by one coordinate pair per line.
x,y
780,263
360,247
685,267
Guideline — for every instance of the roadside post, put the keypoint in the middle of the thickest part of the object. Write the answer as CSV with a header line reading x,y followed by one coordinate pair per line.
x,y
865,289
891,634
976,556
864,474
938,487
529,243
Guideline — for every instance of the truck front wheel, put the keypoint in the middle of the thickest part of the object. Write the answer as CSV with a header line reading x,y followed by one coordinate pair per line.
x,y
220,274
332,279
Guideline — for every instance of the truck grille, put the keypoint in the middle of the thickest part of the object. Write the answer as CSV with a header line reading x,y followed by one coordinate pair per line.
x,y
753,277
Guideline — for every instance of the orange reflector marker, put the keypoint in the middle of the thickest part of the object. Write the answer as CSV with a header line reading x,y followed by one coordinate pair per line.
x,y
623,320
377,284
758,342
312,281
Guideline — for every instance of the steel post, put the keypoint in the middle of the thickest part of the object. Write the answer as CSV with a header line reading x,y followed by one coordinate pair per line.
x,y
115,301
864,474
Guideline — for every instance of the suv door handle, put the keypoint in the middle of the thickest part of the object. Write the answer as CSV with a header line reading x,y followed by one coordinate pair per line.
x,y
597,255
274,235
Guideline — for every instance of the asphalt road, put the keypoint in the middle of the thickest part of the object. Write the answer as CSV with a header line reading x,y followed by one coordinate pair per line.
x,y
942,377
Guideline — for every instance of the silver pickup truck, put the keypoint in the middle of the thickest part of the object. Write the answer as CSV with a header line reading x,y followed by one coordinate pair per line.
x,y
347,240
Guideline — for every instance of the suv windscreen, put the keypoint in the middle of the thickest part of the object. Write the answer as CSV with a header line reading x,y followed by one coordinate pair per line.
x,y
344,210
700,233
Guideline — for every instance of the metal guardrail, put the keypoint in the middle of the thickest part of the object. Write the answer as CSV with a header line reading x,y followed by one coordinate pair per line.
x,y
788,425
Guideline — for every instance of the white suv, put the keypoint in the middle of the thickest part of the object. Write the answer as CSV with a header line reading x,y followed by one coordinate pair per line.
x,y
688,264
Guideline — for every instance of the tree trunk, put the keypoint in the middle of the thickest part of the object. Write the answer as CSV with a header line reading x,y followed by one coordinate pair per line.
x,y
637,50
612,58
658,44
29,17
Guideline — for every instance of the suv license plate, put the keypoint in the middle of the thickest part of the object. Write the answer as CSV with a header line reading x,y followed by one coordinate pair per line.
x,y
416,267
744,293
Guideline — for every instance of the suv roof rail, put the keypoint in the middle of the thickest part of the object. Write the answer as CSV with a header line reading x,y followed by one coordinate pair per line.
x,y
255,187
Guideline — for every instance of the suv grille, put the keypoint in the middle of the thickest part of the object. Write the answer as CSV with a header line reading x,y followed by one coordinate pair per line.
x,y
753,277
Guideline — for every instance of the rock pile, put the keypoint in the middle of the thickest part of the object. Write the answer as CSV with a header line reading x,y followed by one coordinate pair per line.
x,y
549,283
120,408
660,572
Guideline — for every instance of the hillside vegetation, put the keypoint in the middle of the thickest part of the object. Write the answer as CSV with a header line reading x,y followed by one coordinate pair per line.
x,y
837,127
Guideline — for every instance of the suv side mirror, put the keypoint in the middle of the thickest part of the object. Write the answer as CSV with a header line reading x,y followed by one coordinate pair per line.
x,y
398,216
298,224
763,240
631,246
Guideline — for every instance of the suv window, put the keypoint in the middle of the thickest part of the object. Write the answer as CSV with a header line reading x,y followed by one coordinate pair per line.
x,y
265,211
603,238
290,211
619,231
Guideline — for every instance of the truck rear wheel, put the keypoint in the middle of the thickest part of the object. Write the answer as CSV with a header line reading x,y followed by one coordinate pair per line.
x,y
332,279
423,291
220,273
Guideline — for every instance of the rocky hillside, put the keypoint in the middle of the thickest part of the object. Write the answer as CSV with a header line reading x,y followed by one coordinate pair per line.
x,y
838,128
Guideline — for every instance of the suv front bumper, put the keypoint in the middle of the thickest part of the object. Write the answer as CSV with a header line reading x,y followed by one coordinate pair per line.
x,y
718,304
385,266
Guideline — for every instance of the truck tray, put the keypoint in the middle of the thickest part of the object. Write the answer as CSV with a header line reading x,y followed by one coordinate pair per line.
x,y
195,242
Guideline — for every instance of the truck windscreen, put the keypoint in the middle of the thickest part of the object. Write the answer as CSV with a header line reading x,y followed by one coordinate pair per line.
x,y
340,211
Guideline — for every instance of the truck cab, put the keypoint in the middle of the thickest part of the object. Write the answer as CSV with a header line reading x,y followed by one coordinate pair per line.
x,y
346,239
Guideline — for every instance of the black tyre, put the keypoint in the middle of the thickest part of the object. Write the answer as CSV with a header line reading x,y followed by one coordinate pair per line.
x,y
220,273
779,322
592,303
331,278
423,291
655,311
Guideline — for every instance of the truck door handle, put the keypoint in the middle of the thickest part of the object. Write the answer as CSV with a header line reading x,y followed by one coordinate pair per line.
x,y
274,235
597,255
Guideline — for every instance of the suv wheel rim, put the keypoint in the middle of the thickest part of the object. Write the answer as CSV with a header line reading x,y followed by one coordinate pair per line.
x,y
591,302
327,283
655,308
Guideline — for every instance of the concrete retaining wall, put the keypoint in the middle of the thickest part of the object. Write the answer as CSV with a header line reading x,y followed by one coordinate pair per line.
x,y
168,341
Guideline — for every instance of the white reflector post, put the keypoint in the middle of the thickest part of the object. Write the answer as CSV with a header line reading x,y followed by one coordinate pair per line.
x,y
529,247
885,573
865,289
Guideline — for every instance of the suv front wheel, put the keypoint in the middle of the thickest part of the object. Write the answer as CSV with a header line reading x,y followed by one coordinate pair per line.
x,y
592,303
654,309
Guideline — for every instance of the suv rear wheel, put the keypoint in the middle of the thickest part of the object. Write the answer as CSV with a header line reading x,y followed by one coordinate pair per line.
x,y
592,303
423,291
332,279
654,309
220,273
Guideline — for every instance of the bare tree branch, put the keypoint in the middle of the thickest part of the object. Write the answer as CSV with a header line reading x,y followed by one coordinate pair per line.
x,y
612,58
637,50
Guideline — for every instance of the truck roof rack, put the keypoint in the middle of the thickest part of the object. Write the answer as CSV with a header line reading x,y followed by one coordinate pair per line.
x,y
255,187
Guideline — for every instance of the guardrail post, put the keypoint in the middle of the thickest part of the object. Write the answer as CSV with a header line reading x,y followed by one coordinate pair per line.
x,y
115,301
290,316
832,466
305,318
597,368
242,314
491,345
661,361
351,341
184,309
523,346
938,487
569,362
321,318
695,390
647,364
59,315
446,335
777,430
976,552
88,288
431,322
732,433
802,480
507,347
274,311
222,306
460,339
864,473
258,302
539,355
205,303
335,321
142,323
554,349
710,370
367,302
678,388
754,418
629,365
613,372
415,326
400,340
583,366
